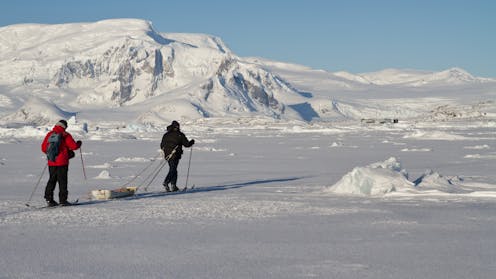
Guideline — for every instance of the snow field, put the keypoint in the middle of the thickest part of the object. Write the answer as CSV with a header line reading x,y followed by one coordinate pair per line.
x,y
260,209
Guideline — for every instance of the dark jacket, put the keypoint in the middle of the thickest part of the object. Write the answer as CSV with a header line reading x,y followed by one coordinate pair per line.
x,y
172,138
66,145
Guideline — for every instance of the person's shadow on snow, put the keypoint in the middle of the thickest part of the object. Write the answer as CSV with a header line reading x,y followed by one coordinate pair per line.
x,y
213,188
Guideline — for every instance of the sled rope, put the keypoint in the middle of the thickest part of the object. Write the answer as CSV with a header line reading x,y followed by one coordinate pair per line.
x,y
143,170
155,173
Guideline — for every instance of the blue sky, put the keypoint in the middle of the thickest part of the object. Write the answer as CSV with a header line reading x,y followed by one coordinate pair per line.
x,y
350,35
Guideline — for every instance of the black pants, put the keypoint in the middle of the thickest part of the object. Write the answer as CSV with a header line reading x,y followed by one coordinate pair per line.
x,y
57,174
172,175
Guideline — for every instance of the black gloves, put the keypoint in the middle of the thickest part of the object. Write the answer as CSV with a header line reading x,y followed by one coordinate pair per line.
x,y
191,142
79,143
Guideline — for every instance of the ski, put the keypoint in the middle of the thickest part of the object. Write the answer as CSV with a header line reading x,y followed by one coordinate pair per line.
x,y
73,203
186,188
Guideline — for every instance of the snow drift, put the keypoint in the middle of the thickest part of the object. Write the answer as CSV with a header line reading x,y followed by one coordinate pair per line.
x,y
432,180
389,178
375,179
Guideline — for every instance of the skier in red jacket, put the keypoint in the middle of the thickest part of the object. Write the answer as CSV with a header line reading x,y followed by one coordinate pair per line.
x,y
59,167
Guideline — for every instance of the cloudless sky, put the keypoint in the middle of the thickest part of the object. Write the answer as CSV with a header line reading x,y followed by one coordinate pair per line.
x,y
348,35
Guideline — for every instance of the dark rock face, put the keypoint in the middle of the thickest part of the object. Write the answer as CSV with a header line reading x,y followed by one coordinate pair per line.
x,y
131,69
129,64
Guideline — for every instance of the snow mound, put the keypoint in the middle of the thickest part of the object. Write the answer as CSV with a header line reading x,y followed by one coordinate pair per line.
x,y
12,135
37,112
433,135
104,175
431,180
210,149
480,156
102,166
336,144
416,150
375,179
131,159
477,147
388,178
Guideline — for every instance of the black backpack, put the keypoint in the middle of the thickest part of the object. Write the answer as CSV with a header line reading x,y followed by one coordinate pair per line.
x,y
53,149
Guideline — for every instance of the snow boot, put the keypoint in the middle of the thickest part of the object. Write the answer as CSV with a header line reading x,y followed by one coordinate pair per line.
x,y
166,186
65,203
51,203
174,188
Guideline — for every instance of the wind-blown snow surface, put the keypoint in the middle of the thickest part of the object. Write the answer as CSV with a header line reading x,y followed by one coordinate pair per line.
x,y
289,182
261,207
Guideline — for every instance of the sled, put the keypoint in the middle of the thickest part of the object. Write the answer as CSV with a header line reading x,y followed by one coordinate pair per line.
x,y
113,194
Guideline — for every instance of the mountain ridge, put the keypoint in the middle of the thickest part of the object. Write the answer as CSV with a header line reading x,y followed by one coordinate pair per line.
x,y
124,64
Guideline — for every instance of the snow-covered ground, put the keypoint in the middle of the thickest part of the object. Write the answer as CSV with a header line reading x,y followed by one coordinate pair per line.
x,y
264,204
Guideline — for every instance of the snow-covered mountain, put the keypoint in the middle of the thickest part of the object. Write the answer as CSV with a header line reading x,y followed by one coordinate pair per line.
x,y
390,93
124,70
453,76
116,63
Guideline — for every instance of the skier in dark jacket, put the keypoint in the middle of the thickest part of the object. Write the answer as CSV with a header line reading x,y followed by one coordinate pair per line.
x,y
60,166
172,145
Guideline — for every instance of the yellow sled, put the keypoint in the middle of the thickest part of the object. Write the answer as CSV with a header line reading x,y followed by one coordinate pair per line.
x,y
113,194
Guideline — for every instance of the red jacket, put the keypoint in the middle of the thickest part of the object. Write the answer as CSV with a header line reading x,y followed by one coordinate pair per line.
x,y
67,144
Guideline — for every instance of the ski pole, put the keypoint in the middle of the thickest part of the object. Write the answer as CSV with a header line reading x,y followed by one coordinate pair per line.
x,y
36,187
189,165
82,162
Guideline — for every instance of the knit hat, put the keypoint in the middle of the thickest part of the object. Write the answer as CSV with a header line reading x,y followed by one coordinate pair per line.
x,y
62,123
175,124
